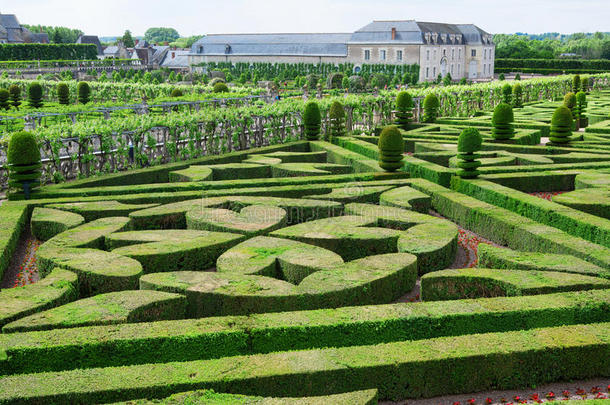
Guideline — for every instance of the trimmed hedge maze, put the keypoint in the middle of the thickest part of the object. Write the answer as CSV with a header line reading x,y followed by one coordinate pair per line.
x,y
304,273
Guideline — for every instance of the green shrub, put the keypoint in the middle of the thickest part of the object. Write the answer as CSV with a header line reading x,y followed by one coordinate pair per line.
x,y
220,87
4,99
177,93
335,80
23,158
447,80
35,95
469,142
507,94
345,82
570,100
561,125
356,84
404,108
337,120
576,84
517,76
63,93
391,148
312,81
501,77
215,81
15,95
312,120
581,104
431,105
517,96
502,122
379,80
585,82
84,92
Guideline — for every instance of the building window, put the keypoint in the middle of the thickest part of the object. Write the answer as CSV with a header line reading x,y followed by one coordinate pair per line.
x,y
428,54
427,72
382,54
460,53
444,52
434,71
435,54
474,53
367,54
484,69
200,50
399,55
485,54
459,69
453,54
451,70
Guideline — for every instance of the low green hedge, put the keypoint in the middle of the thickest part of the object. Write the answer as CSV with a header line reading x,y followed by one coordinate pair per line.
x,y
47,222
14,218
250,221
341,156
454,284
105,309
508,228
406,198
100,209
209,397
206,338
595,201
399,370
573,222
58,288
501,258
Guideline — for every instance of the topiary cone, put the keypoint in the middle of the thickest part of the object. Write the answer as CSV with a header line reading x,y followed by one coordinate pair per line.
x,y
469,142
23,157
404,108
502,122
561,125
391,149
312,120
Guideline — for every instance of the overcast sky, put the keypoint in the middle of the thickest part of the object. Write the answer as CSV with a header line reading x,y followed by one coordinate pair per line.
x,y
191,17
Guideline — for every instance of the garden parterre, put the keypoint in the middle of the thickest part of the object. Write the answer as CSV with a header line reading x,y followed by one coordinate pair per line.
x,y
279,273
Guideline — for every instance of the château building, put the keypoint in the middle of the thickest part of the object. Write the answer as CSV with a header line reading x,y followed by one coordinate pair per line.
x,y
461,50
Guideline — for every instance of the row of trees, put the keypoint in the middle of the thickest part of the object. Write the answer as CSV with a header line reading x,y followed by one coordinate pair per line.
x,y
588,46
57,35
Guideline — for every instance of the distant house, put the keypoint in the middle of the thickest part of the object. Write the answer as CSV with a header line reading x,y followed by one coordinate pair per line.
x,y
118,51
176,59
12,32
143,51
91,39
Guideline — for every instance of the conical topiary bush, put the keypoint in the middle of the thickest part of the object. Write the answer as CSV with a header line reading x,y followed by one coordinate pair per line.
x,y
517,96
561,125
469,142
24,162
502,122
576,84
404,109
431,105
312,120
507,94
581,104
336,116
63,93
391,149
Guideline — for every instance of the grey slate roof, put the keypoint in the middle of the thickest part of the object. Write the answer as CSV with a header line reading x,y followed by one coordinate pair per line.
x,y
273,44
180,59
111,50
91,39
9,21
377,32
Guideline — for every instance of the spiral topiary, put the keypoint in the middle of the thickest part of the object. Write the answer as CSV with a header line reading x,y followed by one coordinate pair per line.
x,y
404,108
584,84
561,125
220,87
84,92
507,94
24,164
431,105
576,84
337,121
4,99
391,148
63,93
177,93
570,101
502,122
15,95
35,95
581,104
312,121
469,142
517,96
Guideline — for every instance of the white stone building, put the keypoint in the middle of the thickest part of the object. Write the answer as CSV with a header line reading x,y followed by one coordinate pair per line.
x,y
462,50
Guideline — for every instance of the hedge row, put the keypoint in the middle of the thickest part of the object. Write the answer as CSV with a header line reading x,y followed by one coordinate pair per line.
x,y
14,217
561,64
367,397
546,71
399,370
594,201
573,222
206,338
508,228
47,51
454,284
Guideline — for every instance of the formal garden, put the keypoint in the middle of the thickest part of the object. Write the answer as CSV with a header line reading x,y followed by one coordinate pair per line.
x,y
340,248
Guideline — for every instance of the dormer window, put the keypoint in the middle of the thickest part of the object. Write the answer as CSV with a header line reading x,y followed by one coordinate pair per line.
x,y
200,49
227,48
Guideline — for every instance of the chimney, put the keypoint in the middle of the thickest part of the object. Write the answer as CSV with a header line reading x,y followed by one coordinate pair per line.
x,y
393,33
173,55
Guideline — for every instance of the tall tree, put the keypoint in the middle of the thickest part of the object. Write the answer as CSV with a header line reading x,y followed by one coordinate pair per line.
x,y
158,35
128,39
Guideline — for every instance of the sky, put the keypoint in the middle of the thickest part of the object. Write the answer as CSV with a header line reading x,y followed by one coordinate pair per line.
x,y
197,17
